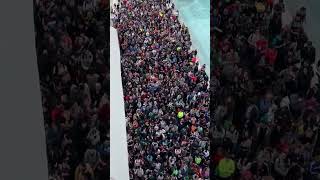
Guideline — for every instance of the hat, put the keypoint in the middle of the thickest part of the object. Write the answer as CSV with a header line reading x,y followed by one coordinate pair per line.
x,y
198,160
180,114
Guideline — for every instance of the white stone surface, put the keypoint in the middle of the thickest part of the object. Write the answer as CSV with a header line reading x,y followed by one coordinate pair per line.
x,y
119,168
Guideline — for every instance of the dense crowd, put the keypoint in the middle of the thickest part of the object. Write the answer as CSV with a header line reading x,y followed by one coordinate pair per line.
x,y
72,50
165,91
265,94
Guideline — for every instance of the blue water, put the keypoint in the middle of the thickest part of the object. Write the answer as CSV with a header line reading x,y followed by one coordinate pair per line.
x,y
195,14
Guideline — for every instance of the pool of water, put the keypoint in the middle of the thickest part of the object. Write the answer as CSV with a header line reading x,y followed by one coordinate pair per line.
x,y
195,14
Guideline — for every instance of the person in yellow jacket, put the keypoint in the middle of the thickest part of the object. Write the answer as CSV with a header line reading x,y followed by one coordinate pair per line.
x,y
225,168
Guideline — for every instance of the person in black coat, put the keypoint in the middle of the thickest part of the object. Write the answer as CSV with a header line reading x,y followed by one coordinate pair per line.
x,y
308,53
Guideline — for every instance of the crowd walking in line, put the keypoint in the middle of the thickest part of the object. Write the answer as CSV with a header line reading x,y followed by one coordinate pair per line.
x,y
166,93
72,52
264,93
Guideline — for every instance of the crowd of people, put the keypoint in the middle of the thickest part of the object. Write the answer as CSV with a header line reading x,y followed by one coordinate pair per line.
x,y
72,51
264,93
166,93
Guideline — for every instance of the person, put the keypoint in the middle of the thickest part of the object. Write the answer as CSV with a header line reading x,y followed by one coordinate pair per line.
x,y
84,172
166,92
280,167
302,13
72,61
308,53
269,96
225,168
